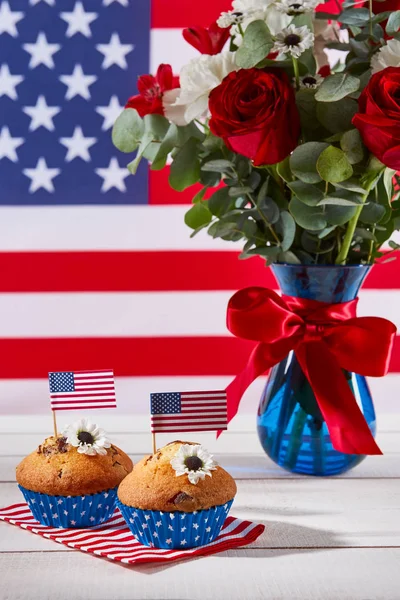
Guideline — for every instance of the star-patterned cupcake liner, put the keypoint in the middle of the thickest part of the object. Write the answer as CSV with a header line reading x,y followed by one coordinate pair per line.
x,y
71,511
178,529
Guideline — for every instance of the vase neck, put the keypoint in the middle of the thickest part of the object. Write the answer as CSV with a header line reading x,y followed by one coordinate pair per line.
x,y
331,283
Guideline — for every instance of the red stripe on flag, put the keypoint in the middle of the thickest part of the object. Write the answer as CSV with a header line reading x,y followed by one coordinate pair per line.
x,y
149,271
129,271
169,356
86,407
186,13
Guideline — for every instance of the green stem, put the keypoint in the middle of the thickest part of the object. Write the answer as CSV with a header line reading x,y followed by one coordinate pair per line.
x,y
241,29
371,14
296,71
351,227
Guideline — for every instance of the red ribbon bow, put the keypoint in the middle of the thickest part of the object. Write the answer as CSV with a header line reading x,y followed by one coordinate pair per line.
x,y
326,339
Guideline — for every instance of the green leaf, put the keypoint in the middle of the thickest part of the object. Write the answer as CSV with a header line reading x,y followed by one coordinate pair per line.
x,y
339,215
336,87
199,196
288,228
256,45
198,215
308,217
338,202
322,234
167,145
393,24
283,170
237,192
333,165
336,117
144,144
267,251
303,161
307,193
217,166
220,202
372,213
307,107
157,125
352,146
388,181
289,258
185,168
307,58
354,17
128,130
351,186
268,208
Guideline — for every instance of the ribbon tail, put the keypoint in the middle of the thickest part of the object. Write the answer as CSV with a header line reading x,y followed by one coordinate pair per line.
x,y
256,366
347,426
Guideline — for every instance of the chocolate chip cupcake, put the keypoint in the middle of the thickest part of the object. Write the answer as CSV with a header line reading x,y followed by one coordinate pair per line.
x,y
176,498
71,480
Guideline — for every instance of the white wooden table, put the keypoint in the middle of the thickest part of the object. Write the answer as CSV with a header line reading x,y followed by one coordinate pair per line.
x,y
325,539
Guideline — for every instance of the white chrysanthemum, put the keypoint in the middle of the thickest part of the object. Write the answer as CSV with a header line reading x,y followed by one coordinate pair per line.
x,y
268,13
293,41
311,82
193,461
388,56
197,79
296,7
234,17
87,437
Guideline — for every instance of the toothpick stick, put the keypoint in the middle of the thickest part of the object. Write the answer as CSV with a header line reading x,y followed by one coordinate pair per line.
x,y
153,436
55,424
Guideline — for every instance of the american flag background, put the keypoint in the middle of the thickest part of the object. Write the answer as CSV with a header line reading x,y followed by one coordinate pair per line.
x,y
97,267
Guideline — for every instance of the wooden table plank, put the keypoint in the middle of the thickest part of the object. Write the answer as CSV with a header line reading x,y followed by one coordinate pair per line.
x,y
310,574
297,513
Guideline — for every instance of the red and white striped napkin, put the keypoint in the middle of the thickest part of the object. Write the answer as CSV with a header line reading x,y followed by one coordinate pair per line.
x,y
114,541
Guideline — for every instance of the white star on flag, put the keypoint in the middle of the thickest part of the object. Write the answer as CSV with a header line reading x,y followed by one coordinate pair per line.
x,y
41,52
113,176
108,2
41,114
78,83
8,145
114,52
78,20
41,176
110,112
9,82
9,19
78,145
49,2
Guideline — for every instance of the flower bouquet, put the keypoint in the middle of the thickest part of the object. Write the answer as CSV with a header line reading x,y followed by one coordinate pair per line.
x,y
289,119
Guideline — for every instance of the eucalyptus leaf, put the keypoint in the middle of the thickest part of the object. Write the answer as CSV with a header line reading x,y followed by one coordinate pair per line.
x,y
218,166
283,170
157,125
146,141
352,145
336,87
357,18
339,215
288,257
333,165
198,215
336,117
303,161
372,213
128,130
306,192
256,45
337,202
388,181
167,145
393,24
308,217
220,202
237,192
351,186
288,228
185,168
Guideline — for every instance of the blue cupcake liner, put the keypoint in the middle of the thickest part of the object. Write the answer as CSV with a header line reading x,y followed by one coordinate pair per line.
x,y
178,529
71,511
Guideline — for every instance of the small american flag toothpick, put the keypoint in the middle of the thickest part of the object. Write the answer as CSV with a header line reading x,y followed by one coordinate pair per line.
x,y
188,411
71,390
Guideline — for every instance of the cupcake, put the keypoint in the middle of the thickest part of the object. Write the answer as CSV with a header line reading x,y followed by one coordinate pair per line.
x,y
176,498
71,480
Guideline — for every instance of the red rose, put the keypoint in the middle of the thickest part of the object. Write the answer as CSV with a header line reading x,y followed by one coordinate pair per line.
x,y
254,111
378,119
209,40
151,91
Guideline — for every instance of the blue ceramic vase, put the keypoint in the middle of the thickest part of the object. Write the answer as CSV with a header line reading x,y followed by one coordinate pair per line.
x,y
290,425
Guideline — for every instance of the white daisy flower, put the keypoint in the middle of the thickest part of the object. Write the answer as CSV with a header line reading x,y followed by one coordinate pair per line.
x,y
387,56
254,10
87,437
232,17
310,82
296,7
293,41
197,79
193,461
